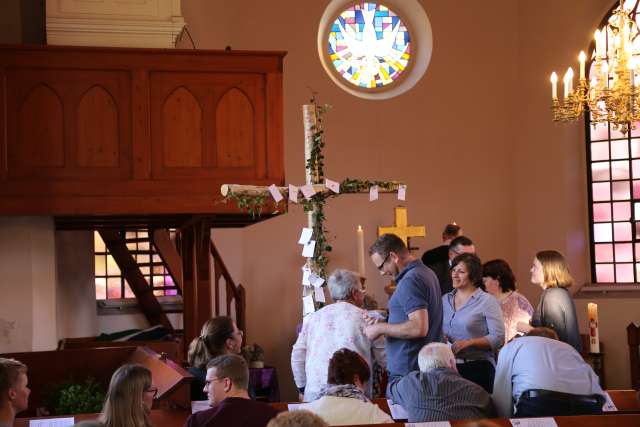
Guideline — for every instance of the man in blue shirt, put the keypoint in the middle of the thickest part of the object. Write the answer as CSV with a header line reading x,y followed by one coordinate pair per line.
x,y
543,377
415,308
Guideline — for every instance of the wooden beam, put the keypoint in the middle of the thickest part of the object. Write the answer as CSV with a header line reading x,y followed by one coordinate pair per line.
x,y
197,287
151,308
169,254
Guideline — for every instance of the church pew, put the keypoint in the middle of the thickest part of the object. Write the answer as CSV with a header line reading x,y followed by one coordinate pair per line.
x,y
627,401
47,368
177,418
172,348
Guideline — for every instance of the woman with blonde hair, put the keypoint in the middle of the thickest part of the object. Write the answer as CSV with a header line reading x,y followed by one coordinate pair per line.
x,y
556,309
129,399
218,336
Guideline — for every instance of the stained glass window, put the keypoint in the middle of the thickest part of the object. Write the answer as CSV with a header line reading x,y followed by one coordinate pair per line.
x,y
369,45
614,199
110,284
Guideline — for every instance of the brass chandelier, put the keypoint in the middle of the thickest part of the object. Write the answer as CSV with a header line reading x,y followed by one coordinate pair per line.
x,y
611,95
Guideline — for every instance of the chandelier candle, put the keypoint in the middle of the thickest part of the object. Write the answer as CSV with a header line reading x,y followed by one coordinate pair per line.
x,y
554,85
594,339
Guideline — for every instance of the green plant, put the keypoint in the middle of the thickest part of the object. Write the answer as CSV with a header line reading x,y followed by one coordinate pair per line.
x,y
76,397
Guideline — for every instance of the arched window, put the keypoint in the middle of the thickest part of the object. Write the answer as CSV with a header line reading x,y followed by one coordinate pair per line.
x,y
613,168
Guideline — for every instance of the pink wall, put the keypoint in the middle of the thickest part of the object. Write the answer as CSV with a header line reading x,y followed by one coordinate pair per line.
x,y
473,140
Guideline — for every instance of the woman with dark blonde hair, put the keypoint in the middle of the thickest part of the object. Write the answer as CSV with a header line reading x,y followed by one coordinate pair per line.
x,y
556,309
218,336
129,399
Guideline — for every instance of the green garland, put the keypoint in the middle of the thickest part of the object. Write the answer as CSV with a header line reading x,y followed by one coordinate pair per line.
x,y
256,204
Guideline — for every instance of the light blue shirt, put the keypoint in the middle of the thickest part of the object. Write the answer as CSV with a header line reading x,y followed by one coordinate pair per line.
x,y
528,363
479,317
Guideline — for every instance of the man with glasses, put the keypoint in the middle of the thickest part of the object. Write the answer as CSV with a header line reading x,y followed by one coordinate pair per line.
x,y
459,245
415,308
226,387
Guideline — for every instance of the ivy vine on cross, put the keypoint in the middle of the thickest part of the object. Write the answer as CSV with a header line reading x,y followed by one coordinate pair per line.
x,y
253,199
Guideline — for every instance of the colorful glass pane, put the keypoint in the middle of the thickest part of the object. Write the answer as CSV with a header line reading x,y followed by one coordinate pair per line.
x,y
620,149
600,151
620,169
600,171
624,273
601,212
599,132
604,273
620,190
624,252
601,191
369,45
604,252
622,211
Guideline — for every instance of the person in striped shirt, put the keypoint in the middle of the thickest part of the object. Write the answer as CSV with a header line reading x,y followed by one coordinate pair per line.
x,y
437,392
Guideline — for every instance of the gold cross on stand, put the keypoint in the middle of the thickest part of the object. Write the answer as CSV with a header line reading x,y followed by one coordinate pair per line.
x,y
401,227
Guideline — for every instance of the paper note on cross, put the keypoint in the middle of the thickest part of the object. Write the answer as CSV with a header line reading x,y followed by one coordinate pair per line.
x,y
401,228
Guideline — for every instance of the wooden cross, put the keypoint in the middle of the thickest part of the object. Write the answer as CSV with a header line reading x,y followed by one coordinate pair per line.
x,y
314,176
402,228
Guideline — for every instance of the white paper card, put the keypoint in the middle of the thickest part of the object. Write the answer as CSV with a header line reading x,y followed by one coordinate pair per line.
x,y
308,191
293,193
316,280
275,193
296,406
305,278
332,185
199,405
402,192
307,304
319,293
53,422
397,411
308,249
533,422
305,236
608,406
430,424
373,193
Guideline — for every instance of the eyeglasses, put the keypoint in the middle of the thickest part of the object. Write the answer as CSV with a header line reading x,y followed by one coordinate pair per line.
x,y
379,267
153,390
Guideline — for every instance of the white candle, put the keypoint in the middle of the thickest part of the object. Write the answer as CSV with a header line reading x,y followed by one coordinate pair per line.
x,y
565,84
360,234
594,339
570,79
554,85
582,58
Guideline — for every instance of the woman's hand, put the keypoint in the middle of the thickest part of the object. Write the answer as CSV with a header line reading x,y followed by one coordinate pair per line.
x,y
460,345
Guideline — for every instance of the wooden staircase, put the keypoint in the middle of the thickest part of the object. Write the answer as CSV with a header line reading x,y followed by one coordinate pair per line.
x,y
188,256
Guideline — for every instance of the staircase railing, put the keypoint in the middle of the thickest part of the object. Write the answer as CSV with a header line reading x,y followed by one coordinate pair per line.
x,y
235,295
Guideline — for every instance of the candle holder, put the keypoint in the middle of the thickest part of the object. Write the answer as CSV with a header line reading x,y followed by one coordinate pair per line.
x,y
612,95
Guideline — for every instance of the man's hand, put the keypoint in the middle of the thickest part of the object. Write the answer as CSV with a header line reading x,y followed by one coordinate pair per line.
x,y
373,331
459,346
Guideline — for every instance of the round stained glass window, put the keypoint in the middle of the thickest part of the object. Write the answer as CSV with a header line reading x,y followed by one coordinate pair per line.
x,y
375,50
369,45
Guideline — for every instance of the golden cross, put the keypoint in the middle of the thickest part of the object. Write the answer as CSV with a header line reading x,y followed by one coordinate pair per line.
x,y
401,227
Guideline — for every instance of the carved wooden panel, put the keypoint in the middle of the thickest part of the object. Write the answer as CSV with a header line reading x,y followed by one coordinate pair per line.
x,y
97,124
231,139
182,130
69,124
235,130
140,132
40,140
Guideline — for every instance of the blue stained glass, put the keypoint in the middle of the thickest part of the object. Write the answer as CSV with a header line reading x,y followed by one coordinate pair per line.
x,y
350,46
